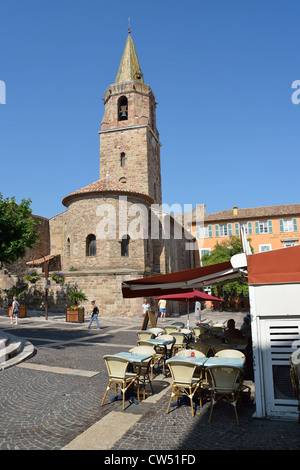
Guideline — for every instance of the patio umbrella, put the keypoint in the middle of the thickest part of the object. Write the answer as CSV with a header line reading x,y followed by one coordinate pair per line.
x,y
189,296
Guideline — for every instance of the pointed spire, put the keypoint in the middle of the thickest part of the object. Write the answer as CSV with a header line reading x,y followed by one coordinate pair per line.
x,y
129,69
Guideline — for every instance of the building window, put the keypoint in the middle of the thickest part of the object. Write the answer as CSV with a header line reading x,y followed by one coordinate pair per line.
x,y
123,159
125,245
203,231
263,226
291,242
288,225
91,245
123,109
68,246
266,247
223,230
202,252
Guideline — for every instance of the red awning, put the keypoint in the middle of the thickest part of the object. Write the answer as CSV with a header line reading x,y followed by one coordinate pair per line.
x,y
274,267
180,281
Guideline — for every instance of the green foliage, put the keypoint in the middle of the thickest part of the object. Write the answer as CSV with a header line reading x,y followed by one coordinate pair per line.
x,y
17,229
223,252
75,296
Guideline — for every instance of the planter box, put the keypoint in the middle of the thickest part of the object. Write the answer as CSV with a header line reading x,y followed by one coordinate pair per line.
x,y
22,311
75,316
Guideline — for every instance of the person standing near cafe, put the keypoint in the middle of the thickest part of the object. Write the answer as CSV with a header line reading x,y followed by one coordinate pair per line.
x,y
162,308
198,312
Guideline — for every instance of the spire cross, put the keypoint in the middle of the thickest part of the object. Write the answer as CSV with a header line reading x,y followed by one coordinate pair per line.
x,y
129,30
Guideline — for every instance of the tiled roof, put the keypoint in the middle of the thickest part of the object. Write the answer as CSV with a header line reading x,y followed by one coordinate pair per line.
x,y
255,213
104,185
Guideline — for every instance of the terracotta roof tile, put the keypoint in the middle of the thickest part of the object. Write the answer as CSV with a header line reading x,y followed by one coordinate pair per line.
x,y
255,213
104,185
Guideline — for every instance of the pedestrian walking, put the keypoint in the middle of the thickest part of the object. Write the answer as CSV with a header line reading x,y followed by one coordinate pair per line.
x,y
162,308
94,312
14,310
198,312
145,307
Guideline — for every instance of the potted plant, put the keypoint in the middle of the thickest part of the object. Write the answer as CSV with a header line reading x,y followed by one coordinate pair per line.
x,y
59,278
75,313
31,276
19,292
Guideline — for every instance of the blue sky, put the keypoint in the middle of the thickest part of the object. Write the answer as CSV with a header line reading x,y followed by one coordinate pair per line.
x,y
221,72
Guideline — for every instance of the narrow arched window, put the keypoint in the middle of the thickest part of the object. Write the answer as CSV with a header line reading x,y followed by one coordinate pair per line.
x,y
123,108
91,245
68,246
123,159
125,245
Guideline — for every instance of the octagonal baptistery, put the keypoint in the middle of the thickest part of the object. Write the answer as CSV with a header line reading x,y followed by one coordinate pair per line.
x,y
106,228
102,240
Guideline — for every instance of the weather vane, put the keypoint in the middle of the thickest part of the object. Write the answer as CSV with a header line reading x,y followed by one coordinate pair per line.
x,y
129,30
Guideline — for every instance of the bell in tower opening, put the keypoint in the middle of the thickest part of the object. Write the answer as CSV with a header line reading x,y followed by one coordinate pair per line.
x,y
123,109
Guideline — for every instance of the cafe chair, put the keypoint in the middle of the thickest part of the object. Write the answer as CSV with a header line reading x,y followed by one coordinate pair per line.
x,y
144,335
230,353
183,382
147,348
295,376
178,324
196,332
156,331
119,377
220,347
181,341
226,383
170,329
202,347
216,330
143,369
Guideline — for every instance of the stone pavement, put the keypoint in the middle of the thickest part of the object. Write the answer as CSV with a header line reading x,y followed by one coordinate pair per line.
x,y
52,400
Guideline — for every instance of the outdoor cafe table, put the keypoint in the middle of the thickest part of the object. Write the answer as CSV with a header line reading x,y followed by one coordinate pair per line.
x,y
162,342
225,361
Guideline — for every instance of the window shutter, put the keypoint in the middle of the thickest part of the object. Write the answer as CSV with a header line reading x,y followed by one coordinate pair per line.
x,y
250,228
256,227
281,227
210,234
295,225
270,226
236,228
217,230
197,231
229,227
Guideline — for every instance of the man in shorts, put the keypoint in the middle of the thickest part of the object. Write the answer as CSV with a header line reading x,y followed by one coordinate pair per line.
x,y
162,308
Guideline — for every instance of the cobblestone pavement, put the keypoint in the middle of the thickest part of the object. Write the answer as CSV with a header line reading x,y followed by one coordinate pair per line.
x,y
54,396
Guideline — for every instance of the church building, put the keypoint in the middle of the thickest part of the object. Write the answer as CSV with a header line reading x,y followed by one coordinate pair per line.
x,y
114,229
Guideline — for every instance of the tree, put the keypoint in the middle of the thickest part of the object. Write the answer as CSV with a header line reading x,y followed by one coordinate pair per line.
x,y
17,229
223,252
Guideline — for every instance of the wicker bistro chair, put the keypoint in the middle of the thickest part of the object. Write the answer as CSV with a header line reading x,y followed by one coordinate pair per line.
x,y
164,352
156,331
230,353
227,384
119,377
202,347
196,332
183,381
295,376
181,341
144,335
143,369
169,329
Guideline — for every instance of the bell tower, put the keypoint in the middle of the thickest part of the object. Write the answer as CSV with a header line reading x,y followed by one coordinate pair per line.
x,y
129,140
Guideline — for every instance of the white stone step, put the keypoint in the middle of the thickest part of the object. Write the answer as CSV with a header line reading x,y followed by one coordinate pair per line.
x,y
14,350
